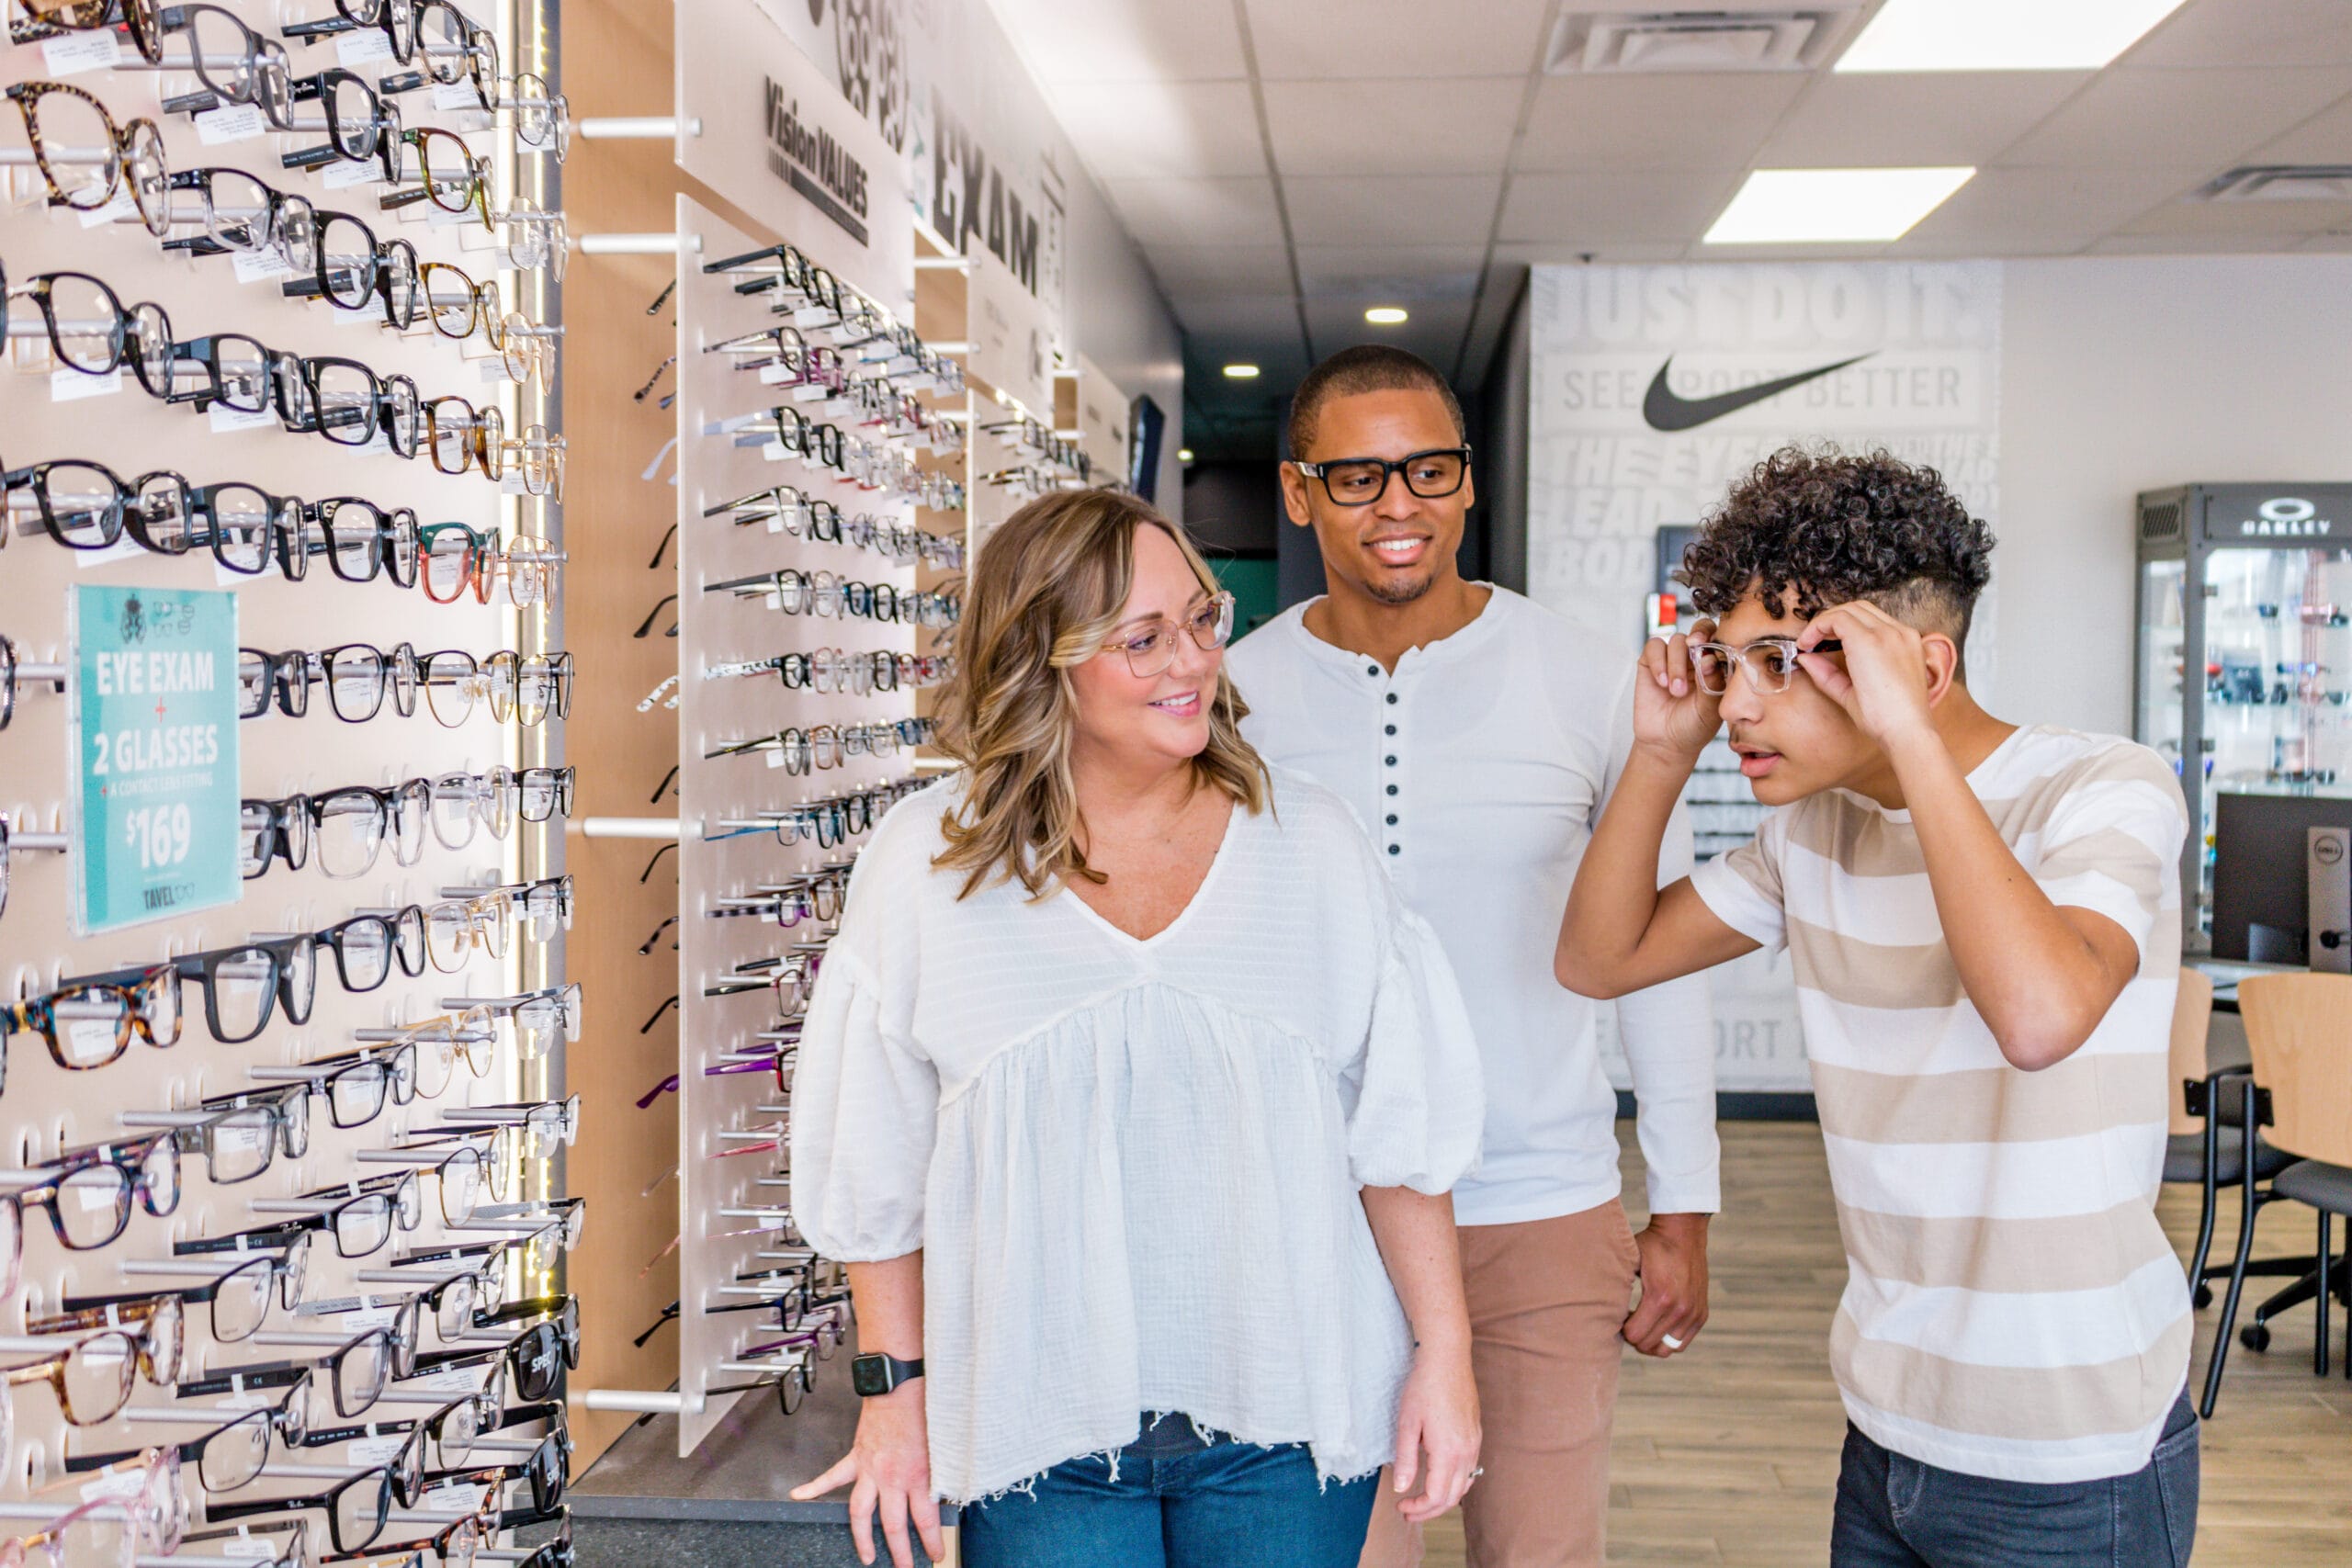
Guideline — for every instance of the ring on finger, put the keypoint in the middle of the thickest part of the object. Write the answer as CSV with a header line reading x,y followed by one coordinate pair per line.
x,y
1669,1341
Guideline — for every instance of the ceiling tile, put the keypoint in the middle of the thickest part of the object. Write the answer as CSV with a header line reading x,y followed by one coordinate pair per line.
x,y
1550,252
1197,212
1229,318
2249,32
1618,123
2041,211
1435,332
1402,273
1129,130
1125,40
1783,252
1334,40
1589,210
1202,269
1879,121
2325,138
2187,245
1410,209
1452,126
2127,118
2270,217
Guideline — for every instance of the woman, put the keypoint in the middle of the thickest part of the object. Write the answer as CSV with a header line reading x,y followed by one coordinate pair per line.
x,y
1118,1022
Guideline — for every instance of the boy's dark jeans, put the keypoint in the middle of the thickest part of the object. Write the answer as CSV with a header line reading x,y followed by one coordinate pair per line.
x,y
1894,1512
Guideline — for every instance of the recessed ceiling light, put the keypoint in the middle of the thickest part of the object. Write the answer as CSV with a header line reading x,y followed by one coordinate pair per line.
x,y
1787,206
1386,315
1183,453
2002,35
1242,372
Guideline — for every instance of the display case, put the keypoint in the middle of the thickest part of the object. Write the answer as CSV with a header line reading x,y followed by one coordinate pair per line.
x,y
2257,579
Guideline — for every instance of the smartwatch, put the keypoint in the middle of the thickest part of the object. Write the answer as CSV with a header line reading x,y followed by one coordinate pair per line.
x,y
870,1375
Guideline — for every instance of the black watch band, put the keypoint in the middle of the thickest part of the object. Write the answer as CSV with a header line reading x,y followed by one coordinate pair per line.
x,y
873,1374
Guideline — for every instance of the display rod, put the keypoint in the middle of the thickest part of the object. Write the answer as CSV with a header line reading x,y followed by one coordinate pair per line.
x,y
234,568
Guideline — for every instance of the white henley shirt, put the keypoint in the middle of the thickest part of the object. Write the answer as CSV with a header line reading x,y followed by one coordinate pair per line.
x,y
1480,768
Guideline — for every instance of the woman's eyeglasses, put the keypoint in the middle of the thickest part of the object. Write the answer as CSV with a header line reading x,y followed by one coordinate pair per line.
x,y
89,1023
1151,649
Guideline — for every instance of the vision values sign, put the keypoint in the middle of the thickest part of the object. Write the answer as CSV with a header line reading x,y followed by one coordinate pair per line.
x,y
154,734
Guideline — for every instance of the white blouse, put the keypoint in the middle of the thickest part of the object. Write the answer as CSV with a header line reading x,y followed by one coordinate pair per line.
x,y
1132,1165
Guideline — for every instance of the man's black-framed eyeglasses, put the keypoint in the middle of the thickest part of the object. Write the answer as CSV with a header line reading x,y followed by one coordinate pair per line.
x,y
1359,481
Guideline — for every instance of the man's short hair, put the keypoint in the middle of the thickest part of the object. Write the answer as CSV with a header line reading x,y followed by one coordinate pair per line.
x,y
1807,529
1367,368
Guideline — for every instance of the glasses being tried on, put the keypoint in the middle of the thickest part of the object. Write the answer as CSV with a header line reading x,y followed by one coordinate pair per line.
x,y
1359,481
1150,645
1770,662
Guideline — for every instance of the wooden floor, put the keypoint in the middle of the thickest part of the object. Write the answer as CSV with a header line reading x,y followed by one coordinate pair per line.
x,y
1728,1454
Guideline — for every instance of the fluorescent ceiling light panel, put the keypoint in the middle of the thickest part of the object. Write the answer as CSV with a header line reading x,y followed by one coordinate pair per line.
x,y
2002,35
1795,207
1242,372
1386,315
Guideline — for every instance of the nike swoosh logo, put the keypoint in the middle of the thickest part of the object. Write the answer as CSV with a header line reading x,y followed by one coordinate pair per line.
x,y
1664,411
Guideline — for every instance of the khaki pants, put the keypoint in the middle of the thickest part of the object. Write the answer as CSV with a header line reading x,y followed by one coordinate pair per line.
x,y
1547,1299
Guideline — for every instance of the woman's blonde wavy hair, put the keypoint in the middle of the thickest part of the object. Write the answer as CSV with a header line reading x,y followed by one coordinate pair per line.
x,y
1049,586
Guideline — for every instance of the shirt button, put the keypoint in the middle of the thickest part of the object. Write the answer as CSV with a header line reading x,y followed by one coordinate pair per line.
x,y
1392,849
1373,669
1392,762
1392,789
1392,819
1391,698
1391,729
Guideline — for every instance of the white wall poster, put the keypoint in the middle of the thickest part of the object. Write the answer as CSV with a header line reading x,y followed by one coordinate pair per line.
x,y
1654,389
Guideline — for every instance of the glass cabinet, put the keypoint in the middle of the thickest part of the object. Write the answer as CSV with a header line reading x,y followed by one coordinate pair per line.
x,y
2243,661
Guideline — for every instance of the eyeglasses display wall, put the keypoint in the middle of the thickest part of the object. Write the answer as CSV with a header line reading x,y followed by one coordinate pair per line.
x,y
799,419
279,1220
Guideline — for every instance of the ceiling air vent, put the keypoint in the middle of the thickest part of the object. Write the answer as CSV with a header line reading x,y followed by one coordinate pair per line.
x,y
1784,37
2283,182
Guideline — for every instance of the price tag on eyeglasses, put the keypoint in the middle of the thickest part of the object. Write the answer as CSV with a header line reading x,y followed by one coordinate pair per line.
x,y
122,1486
774,756
255,1547
124,549
91,1197
437,217
232,122
124,206
259,267
814,391
374,1317
224,419
452,1499
343,172
451,1379
362,46
456,94
239,1137
67,385
81,51
376,1450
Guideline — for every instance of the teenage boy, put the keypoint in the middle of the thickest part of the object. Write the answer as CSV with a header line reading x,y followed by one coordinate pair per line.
x,y
1985,925
1477,736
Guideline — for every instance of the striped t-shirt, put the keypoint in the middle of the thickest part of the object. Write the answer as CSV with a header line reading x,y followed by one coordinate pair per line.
x,y
2012,1309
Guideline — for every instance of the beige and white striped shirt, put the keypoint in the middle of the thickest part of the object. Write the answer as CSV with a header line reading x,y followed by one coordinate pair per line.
x,y
2012,1308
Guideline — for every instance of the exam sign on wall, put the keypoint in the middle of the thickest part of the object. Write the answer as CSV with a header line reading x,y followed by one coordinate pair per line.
x,y
154,737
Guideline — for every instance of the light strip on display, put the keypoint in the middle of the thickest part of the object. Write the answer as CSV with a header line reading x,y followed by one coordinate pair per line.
x,y
1788,207
2001,35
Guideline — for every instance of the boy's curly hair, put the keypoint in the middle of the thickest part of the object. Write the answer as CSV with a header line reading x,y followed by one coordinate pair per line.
x,y
1807,529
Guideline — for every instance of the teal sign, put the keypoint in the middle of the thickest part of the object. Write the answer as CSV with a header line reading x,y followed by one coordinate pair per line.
x,y
155,743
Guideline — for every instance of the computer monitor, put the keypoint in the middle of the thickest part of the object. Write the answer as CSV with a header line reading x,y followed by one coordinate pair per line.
x,y
2261,896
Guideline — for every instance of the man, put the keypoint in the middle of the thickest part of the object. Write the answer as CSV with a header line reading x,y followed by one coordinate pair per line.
x,y
1477,736
1983,921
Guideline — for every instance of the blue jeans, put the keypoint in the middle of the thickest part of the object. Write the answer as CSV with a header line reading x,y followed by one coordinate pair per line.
x,y
1894,1512
1177,1501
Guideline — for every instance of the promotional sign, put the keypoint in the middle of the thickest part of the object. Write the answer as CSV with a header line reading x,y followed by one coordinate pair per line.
x,y
1654,389
777,139
941,83
1012,342
1102,414
154,731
